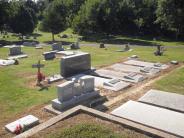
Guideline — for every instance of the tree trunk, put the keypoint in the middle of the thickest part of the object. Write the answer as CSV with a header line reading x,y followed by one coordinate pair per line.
x,y
53,37
22,37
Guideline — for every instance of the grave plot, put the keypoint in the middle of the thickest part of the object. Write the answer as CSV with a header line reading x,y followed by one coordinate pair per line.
x,y
155,117
110,84
146,64
163,99
128,77
129,68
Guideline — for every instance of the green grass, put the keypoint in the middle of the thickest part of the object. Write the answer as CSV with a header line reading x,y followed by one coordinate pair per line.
x,y
172,83
97,38
89,131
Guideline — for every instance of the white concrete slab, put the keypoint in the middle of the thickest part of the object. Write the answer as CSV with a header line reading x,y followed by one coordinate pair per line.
x,y
26,122
158,118
146,64
18,56
135,69
120,75
6,62
163,99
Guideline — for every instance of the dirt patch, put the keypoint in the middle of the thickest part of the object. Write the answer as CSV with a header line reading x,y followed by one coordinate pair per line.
x,y
85,118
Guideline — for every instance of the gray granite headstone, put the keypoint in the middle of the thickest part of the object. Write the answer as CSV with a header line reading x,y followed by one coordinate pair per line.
x,y
16,50
65,91
57,47
163,99
49,55
75,64
152,116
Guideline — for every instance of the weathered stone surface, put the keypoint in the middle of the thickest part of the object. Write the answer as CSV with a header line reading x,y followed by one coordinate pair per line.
x,y
135,69
120,75
15,50
155,117
65,53
146,64
74,101
49,55
65,91
164,99
88,83
57,47
26,122
75,64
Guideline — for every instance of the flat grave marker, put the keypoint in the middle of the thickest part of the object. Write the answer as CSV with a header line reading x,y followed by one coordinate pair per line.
x,y
155,117
163,99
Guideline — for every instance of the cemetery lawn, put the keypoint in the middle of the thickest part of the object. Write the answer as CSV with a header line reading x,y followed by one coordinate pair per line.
x,y
18,93
85,131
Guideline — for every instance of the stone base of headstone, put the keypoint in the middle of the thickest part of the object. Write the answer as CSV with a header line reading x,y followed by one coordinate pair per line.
x,y
61,106
18,56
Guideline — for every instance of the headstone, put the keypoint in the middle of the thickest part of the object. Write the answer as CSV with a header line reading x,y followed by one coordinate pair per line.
x,y
163,99
65,91
102,45
57,47
159,51
72,93
152,116
88,83
25,123
75,64
49,55
16,50
75,45
116,85
29,43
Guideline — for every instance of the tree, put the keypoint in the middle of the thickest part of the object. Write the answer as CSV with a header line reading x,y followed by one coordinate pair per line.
x,y
22,21
170,14
54,18
5,13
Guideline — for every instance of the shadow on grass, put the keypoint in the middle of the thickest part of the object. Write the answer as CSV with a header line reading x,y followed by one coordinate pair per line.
x,y
111,39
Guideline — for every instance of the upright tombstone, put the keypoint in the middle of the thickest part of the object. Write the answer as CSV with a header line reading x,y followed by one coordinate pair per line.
x,y
102,45
15,50
57,47
75,45
49,55
72,93
74,64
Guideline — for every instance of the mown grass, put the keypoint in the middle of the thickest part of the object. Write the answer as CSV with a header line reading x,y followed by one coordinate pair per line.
x,y
96,38
88,130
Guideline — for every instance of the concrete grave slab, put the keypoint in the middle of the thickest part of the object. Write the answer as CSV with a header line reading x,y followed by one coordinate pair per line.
x,y
26,122
6,62
54,78
146,64
116,85
163,99
135,69
155,117
65,53
75,64
18,56
120,75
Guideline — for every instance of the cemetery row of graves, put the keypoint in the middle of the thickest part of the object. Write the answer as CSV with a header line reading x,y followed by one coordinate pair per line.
x,y
46,85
